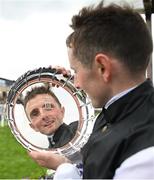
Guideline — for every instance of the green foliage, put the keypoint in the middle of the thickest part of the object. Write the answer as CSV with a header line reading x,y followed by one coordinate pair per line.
x,y
14,160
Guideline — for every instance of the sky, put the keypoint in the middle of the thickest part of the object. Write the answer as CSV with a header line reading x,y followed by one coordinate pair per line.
x,y
33,33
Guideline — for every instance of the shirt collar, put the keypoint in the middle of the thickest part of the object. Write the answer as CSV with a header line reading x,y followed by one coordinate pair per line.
x,y
118,96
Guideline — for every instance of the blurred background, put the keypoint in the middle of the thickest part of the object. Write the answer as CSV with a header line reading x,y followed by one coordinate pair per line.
x,y
32,35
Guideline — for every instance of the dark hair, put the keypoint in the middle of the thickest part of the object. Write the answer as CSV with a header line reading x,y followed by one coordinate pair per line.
x,y
37,91
113,30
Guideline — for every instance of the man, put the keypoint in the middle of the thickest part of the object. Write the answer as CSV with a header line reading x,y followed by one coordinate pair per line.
x,y
46,114
109,51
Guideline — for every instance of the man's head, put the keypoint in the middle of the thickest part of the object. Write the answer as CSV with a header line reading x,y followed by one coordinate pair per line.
x,y
43,110
108,44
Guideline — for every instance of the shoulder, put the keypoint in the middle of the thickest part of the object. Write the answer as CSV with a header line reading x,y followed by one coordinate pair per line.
x,y
139,165
73,124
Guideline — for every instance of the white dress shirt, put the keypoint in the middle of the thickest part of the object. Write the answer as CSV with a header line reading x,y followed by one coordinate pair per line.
x,y
139,166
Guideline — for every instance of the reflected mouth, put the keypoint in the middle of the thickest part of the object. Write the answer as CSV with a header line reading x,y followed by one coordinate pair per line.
x,y
49,123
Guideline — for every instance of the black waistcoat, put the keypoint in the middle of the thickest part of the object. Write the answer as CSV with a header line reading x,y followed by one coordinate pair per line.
x,y
130,128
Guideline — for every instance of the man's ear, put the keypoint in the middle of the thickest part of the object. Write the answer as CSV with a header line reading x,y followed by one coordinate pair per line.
x,y
104,65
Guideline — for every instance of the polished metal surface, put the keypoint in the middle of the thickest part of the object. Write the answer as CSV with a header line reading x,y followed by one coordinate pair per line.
x,y
77,105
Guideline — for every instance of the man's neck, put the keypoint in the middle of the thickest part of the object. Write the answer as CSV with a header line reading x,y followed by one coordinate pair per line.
x,y
124,84
123,91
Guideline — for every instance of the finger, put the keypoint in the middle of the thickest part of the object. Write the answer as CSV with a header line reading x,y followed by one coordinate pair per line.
x,y
62,70
36,155
41,163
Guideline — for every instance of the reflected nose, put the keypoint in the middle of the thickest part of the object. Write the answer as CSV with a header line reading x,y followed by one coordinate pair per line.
x,y
45,118
43,115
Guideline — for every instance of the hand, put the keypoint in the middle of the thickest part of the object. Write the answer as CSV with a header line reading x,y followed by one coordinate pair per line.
x,y
62,70
48,159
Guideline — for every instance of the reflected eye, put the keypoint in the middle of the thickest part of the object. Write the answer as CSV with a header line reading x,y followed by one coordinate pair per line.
x,y
34,113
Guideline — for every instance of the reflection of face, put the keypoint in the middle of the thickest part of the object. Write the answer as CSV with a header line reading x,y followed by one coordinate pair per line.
x,y
88,79
44,119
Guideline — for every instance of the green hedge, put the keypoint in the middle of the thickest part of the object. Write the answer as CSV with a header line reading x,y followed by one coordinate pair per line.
x,y
14,160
